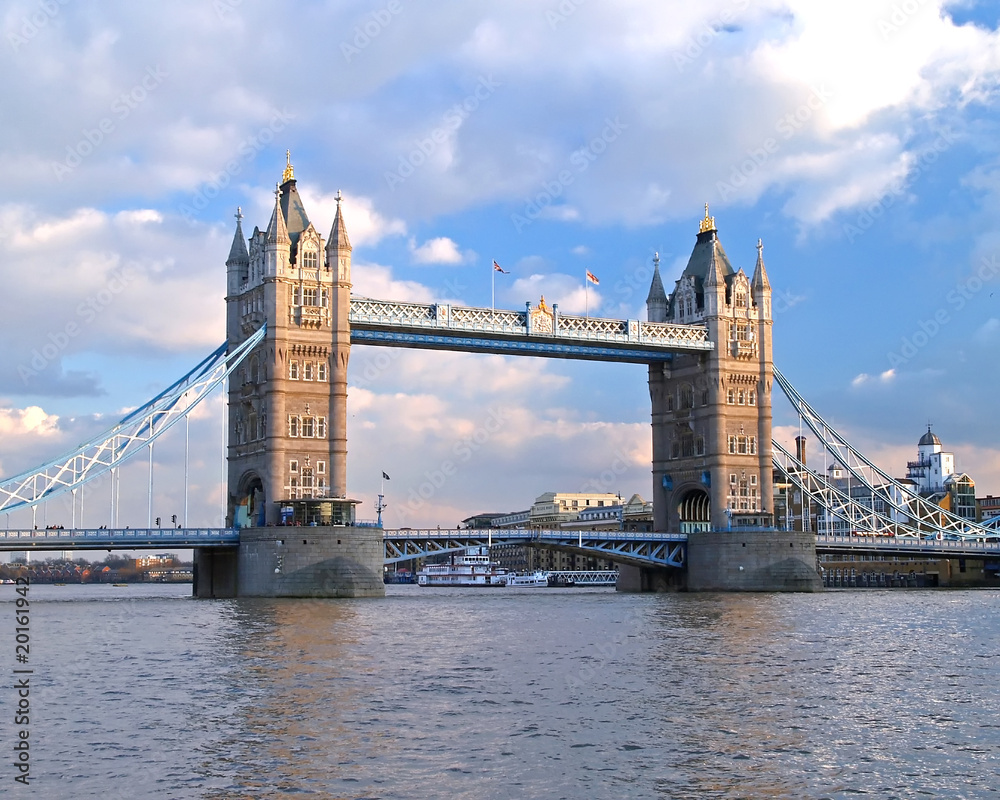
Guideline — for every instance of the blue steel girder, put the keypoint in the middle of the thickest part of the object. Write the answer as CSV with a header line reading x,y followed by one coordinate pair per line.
x,y
637,549
899,545
522,347
117,538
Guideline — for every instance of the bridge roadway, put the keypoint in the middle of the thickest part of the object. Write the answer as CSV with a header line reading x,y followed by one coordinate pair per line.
x,y
623,547
534,331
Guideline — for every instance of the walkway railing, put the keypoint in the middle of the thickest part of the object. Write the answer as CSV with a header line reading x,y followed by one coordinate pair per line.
x,y
118,538
435,323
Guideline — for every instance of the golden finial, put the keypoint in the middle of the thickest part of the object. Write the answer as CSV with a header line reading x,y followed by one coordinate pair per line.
x,y
707,224
542,306
289,174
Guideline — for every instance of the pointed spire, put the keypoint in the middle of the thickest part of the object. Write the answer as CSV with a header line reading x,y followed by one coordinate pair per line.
x,y
715,274
276,230
238,252
760,280
656,300
338,233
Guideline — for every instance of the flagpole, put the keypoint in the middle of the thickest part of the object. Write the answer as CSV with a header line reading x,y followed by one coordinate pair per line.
x,y
493,288
586,295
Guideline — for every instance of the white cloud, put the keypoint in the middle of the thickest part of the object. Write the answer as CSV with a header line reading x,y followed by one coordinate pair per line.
x,y
441,250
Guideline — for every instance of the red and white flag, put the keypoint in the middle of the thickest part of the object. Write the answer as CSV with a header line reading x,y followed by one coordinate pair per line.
x,y
498,268
592,277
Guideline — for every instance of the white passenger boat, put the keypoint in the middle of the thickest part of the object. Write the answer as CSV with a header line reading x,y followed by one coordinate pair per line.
x,y
531,580
471,568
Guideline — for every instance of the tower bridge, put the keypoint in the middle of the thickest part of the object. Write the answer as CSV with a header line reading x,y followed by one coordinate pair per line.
x,y
291,524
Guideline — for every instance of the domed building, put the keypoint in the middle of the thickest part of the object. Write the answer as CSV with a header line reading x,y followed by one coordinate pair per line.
x,y
934,475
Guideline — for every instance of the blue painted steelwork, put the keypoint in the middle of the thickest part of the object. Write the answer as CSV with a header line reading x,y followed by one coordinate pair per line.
x,y
538,330
901,545
118,538
134,431
638,549
522,347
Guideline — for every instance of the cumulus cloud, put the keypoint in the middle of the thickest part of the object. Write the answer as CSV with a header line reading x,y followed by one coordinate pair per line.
x,y
441,250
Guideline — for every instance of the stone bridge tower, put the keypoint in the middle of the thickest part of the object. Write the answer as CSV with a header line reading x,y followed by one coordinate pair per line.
x,y
711,428
287,423
288,401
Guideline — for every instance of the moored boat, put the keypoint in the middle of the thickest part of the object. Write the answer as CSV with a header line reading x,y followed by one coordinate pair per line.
x,y
471,568
530,580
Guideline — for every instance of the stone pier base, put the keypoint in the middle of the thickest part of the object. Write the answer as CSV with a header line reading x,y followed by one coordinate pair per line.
x,y
752,561
294,562
643,579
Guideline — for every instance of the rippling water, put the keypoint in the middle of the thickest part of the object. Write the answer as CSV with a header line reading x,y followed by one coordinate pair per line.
x,y
143,692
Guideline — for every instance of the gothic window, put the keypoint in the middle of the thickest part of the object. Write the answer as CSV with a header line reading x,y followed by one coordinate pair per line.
x,y
687,446
741,445
731,397
309,259
321,467
293,370
293,465
307,371
262,425
752,445
670,402
704,397
296,297
308,427
687,397
699,446
752,397
732,445
321,427
324,298
741,397
308,297
321,371
252,425
675,449
293,425
293,492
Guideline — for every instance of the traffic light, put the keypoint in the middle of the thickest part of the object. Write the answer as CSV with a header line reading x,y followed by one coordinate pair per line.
x,y
157,522
173,518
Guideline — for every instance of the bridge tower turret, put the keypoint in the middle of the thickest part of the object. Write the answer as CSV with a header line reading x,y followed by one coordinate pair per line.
x,y
338,264
288,403
712,412
711,421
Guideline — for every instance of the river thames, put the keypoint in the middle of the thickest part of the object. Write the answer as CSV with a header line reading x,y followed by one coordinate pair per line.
x,y
143,692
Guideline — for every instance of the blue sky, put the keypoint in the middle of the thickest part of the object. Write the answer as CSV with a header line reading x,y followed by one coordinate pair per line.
x,y
858,140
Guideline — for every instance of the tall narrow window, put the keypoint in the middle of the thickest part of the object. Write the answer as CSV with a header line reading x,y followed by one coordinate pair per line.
x,y
293,370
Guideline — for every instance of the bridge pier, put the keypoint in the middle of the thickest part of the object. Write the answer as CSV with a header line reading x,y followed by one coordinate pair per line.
x,y
309,561
643,579
214,572
752,561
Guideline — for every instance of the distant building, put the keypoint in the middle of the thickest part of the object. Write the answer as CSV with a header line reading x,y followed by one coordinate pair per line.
x,y
987,508
155,561
552,509
18,557
480,521
936,479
